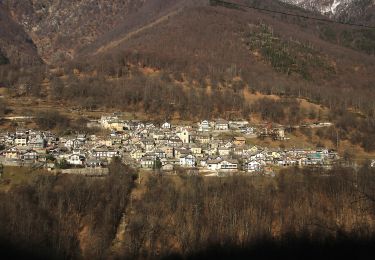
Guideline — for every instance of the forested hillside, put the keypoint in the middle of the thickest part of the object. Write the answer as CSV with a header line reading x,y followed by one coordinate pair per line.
x,y
61,28
15,44
300,214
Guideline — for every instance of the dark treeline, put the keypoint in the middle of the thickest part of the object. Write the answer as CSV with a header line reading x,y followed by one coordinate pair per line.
x,y
150,95
355,128
51,119
334,93
194,213
54,120
73,217
3,107
154,95
3,59
52,216
23,81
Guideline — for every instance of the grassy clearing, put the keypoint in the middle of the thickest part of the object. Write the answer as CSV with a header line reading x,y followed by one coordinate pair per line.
x,y
17,175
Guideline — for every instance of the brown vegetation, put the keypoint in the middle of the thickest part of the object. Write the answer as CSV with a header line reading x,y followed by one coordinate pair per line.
x,y
15,45
45,217
56,216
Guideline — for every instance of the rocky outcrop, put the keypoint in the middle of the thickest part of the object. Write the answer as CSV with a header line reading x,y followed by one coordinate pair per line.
x,y
59,28
342,10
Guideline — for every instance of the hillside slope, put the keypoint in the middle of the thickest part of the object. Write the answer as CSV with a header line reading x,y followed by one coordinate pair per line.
x,y
60,27
16,47
210,42
62,30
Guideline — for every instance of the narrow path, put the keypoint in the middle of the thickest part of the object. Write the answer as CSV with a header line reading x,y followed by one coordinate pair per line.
x,y
118,242
116,43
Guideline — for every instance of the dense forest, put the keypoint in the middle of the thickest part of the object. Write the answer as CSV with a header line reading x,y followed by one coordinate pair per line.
x,y
3,60
310,212
50,216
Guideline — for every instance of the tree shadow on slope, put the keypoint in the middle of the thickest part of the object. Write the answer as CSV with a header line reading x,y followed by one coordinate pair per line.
x,y
290,247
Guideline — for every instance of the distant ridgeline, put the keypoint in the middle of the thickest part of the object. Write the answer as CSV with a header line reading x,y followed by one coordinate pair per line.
x,y
3,59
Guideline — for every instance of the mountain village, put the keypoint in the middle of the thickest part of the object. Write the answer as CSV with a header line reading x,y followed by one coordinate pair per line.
x,y
167,147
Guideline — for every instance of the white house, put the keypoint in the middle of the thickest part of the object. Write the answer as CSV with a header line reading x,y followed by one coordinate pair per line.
x,y
242,123
21,140
325,124
104,152
204,126
20,131
160,154
223,151
187,161
73,143
220,164
166,125
137,154
255,166
30,155
37,142
257,156
210,151
76,159
175,141
203,138
213,165
184,135
221,124
147,162
228,165
82,138
196,150
110,122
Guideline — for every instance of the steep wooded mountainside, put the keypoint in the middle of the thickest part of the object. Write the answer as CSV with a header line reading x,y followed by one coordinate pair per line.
x,y
61,28
15,45
204,44
222,43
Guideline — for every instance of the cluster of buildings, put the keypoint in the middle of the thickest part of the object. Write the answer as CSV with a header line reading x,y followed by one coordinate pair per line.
x,y
216,146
